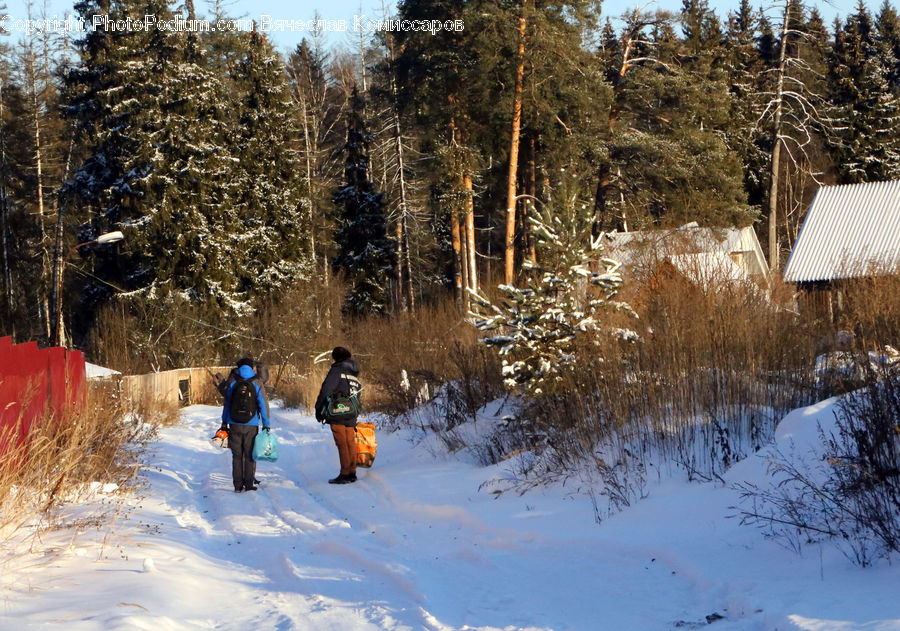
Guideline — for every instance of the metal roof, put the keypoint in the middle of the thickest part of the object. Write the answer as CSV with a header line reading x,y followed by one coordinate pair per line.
x,y
850,231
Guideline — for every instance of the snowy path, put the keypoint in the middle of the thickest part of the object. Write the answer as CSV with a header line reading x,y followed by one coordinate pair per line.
x,y
415,545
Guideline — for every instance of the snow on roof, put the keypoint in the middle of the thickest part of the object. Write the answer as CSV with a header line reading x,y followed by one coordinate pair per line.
x,y
651,246
708,268
850,231
93,371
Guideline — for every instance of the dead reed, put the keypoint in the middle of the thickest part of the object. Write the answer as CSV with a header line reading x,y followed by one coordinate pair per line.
x,y
64,459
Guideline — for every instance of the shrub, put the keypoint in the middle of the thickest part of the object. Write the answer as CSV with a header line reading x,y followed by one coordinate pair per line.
x,y
715,369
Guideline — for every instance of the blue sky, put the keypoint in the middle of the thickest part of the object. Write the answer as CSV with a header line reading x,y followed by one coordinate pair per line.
x,y
346,10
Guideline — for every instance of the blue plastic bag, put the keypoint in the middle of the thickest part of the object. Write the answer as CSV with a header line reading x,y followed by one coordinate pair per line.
x,y
265,447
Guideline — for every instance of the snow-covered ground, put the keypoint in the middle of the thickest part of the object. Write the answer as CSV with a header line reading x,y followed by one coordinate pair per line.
x,y
416,545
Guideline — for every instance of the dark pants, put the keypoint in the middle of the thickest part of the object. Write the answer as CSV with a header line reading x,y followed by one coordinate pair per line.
x,y
243,467
345,439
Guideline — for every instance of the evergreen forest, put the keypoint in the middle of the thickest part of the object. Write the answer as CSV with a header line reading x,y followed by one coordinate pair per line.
x,y
258,191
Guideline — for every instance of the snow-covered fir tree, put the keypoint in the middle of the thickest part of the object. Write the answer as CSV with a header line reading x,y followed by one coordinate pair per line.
x,y
195,167
865,112
188,244
153,144
568,294
366,255
267,219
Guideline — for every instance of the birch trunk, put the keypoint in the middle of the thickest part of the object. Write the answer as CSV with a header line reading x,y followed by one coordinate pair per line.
x,y
776,149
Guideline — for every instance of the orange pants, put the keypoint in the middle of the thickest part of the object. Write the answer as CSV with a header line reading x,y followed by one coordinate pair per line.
x,y
345,439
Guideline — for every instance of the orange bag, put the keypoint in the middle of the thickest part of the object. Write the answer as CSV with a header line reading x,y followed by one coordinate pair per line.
x,y
366,444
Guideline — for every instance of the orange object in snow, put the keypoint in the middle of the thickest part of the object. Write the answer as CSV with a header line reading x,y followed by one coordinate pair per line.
x,y
366,445
220,439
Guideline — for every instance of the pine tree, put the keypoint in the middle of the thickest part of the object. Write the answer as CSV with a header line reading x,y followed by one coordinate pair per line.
x,y
366,255
668,161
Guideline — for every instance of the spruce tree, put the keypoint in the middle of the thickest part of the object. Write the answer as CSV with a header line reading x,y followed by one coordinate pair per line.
x,y
887,41
745,63
209,216
267,217
866,144
365,254
19,234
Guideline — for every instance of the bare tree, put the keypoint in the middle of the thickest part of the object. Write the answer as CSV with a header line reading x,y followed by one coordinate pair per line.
x,y
792,110
321,89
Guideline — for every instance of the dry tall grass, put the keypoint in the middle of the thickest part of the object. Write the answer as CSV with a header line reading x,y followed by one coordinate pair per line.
x,y
716,368
424,344
62,456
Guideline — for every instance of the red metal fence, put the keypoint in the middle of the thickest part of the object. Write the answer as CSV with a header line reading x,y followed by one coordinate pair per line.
x,y
35,381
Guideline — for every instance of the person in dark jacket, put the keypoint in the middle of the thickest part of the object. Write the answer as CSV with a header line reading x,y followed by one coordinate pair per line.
x,y
241,434
343,376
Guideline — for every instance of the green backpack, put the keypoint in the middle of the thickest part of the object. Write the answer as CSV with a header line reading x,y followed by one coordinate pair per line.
x,y
342,407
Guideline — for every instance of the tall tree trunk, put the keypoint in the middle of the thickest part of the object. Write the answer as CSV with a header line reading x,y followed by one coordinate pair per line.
x,y
510,254
309,179
410,294
776,149
463,258
59,263
403,259
31,68
397,293
470,229
457,252
531,190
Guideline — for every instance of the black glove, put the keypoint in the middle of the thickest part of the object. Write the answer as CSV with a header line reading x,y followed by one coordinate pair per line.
x,y
224,427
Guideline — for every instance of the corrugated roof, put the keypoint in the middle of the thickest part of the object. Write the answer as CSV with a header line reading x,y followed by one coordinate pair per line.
x,y
850,231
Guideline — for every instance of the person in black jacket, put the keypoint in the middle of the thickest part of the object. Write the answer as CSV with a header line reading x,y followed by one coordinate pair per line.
x,y
343,376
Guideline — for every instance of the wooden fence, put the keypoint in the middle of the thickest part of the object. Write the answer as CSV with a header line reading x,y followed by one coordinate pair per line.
x,y
35,383
179,387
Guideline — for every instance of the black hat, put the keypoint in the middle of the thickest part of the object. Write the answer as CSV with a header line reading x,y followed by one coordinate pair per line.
x,y
340,353
245,361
